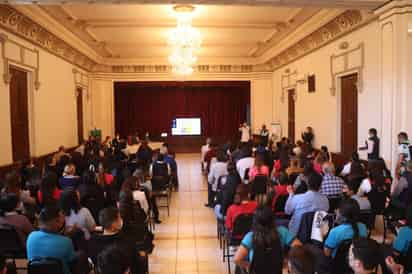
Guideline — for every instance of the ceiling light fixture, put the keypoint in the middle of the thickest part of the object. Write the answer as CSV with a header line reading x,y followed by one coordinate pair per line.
x,y
184,40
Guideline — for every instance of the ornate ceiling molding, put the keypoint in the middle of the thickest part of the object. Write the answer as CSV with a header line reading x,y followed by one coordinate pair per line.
x,y
343,24
21,25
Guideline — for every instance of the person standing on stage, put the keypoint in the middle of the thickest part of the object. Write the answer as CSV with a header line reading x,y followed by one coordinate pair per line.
x,y
264,136
372,145
245,133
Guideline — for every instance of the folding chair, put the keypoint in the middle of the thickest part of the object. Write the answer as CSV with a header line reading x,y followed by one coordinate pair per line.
x,y
243,224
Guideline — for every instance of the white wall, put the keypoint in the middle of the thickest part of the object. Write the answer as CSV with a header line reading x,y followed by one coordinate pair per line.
x,y
102,106
52,108
320,109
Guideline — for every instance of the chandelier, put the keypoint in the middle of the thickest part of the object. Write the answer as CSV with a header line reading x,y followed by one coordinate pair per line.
x,y
184,41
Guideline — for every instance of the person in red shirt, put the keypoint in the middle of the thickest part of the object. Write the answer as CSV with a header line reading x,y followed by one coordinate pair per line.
x,y
280,189
242,205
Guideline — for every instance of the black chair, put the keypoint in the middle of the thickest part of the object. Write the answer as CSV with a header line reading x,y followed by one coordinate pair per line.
x,y
162,188
45,266
279,206
243,224
377,198
10,244
340,263
334,203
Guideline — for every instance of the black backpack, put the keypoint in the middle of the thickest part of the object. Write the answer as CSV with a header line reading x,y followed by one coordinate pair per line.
x,y
267,260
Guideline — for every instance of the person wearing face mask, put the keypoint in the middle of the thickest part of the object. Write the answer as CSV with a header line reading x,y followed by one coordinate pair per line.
x,y
350,190
48,243
372,145
112,224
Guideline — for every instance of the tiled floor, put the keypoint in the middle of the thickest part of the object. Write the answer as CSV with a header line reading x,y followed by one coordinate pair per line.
x,y
186,241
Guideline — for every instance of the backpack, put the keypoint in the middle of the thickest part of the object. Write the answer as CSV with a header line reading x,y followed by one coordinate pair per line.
x,y
267,260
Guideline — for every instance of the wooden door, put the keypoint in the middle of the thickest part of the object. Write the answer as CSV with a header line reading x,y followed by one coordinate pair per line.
x,y
349,114
19,112
79,104
291,115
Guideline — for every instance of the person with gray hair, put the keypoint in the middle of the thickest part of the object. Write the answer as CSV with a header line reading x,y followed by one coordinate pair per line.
x,y
332,185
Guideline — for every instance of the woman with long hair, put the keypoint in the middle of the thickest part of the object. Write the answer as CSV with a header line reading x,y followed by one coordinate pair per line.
x,y
48,193
76,216
259,168
261,249
349,227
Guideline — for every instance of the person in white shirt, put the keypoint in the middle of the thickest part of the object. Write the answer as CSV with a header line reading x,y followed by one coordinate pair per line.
x,y
217,169
247,162
204,149
403,152
245,133
350,190
347,167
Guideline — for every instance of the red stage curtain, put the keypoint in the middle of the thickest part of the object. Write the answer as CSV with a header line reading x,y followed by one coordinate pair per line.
x,y
151,106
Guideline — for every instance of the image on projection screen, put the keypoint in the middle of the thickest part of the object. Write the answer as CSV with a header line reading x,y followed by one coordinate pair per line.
x,y
186,126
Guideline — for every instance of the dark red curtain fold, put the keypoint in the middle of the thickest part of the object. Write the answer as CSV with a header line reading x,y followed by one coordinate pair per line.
x,y
151,106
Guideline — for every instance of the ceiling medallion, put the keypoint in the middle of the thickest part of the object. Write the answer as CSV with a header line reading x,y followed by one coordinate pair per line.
x,y
184,40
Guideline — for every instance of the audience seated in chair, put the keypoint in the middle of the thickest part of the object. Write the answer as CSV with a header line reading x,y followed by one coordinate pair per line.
x,y
242,205
92,195
112,224
131,185
331,185
364,256
69,179
259,167
300,184
9,216
350,190
48,243
310,201
246,162
262,248
49,193
217,169
403,242
113,260
76,216
228,192
348,227
301,260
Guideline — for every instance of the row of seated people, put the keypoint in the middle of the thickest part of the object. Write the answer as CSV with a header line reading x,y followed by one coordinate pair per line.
x,y
291,186
81,198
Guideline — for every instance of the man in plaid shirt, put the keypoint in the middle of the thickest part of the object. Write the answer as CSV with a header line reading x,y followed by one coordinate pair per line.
x,y
331,185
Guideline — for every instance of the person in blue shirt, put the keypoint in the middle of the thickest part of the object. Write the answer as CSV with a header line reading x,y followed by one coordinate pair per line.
x,y
170,160
47,243
264,233
403,241
348,229
311,201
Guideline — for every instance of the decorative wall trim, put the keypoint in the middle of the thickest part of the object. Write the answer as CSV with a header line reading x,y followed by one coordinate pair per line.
x,y
352,60
21,59
81,80
21,25
288,81
197,69
339,26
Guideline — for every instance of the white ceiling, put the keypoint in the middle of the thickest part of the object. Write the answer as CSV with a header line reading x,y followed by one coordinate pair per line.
x,y
230,33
